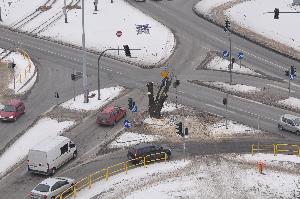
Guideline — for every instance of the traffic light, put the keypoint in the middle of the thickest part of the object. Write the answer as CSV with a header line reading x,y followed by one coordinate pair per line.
x,y
130,103
73,76
225,101
127,50
276,13
13,65
293,70
179,128
227,25
287,72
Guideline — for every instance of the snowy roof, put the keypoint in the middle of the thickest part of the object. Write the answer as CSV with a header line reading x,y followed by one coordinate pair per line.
x,y
49,143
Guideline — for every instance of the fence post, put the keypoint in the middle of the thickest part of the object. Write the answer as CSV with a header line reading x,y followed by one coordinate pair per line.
x,y
25,73
20,78
60,196
90,181
145,165
74,192
252,149
275,149
106,175
126,167
165,157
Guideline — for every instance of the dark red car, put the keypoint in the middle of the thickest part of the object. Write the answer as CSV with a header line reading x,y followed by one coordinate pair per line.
x,y
12,110
110,115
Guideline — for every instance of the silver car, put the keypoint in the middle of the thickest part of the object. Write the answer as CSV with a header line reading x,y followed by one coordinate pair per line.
x,y
51,187
290,123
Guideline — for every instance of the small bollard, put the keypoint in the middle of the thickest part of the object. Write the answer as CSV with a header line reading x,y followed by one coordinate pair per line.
x,y
261,165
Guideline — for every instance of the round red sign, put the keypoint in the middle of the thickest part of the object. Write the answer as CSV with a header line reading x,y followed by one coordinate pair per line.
x,y
119,33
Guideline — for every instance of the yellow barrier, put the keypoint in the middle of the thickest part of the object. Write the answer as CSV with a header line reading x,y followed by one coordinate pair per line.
x,y
111,170
277,148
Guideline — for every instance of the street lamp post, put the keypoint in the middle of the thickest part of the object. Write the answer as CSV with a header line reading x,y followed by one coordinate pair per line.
x,y
84,77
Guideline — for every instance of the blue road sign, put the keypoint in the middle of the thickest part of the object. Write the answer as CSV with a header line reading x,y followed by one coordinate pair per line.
x,y
134,109
226,53
291,77
127,124
240,55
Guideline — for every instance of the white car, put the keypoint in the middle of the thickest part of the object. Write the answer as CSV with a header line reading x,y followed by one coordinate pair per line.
x,y
51,187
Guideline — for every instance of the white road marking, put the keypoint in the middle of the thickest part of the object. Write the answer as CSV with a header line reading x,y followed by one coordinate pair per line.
x,y
285,89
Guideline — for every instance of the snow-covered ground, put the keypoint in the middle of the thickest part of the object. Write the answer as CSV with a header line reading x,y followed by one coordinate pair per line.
x,y
291,102
19,150
106,95
24,71
130,139
224,176
100,28
233,128
283,29
233,87
219,63
169,107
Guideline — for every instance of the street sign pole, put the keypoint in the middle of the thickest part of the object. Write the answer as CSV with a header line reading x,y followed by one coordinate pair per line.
x,y
289,85
240,63
230,57
74,93
226,114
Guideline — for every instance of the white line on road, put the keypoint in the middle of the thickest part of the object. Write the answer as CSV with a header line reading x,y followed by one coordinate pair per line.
x,y
285,89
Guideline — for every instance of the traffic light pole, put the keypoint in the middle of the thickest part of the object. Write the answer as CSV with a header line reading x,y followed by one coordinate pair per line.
x,y
229,34
101,54
84,76
289,85
74,93
226,114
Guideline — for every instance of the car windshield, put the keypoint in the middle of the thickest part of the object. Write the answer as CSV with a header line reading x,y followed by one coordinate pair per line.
x,y
297,121
103,116
42,188
9,108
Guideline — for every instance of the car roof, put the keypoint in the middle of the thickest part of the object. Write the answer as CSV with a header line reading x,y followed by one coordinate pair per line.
x,y
289,116
108,109
52,181
142,145
49,143
14,102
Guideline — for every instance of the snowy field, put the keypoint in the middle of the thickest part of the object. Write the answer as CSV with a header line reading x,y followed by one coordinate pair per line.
x,y
283,29
155,47
291,102
218,176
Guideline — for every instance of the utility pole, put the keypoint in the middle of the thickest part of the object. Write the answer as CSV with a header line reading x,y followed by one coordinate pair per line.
x,y
0,15
65,11
84,76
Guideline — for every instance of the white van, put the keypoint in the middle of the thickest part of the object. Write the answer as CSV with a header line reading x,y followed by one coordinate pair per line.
x,y
50,154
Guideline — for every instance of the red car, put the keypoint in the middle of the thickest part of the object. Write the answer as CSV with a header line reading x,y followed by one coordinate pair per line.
x,y
110,115
12,110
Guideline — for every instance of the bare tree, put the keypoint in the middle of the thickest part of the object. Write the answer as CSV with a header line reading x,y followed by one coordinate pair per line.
x,y
156,103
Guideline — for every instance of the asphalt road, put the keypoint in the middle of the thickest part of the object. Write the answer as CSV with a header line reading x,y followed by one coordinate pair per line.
x,y
194,36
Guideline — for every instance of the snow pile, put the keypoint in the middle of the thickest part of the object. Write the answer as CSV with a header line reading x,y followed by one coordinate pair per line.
x,y
206,6
233,128
291,102
169,107
241,88
124,184
44,128
130,139
107,94
22,72
219,63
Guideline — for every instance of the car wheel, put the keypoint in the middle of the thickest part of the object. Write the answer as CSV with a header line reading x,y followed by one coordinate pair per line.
x,y
280,127
74,155
53,171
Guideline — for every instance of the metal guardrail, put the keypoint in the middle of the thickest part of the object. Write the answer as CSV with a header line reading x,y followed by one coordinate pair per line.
x,y
104,174
277,148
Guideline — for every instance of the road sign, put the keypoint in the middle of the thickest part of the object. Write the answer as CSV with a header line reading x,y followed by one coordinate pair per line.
x,y
226,53
134,109
127,124
164,74
240,55
291,77
119,33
